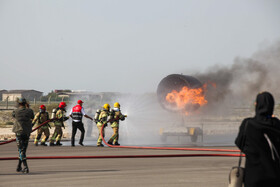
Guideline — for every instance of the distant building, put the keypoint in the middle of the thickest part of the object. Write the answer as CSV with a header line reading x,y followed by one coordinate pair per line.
x,y
61,91
1,92
30,95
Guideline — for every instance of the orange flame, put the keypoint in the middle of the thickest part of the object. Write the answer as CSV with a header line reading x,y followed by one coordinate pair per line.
x,y
187,96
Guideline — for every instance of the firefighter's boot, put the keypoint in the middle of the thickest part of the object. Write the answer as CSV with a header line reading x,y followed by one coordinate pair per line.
x,y
52,144
19,168
110,142
25,169
58,143
117,143
43,144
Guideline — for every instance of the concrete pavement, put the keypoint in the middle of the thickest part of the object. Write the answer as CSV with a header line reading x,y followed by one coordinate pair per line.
x,y
171,172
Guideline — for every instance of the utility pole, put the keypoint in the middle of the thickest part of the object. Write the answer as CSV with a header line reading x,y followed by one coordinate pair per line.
x,y
49,99
7,102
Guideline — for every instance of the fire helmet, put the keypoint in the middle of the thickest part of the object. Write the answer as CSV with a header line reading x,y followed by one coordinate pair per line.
x,y
117,105
80,102
106,106
62,105
43,107
22,101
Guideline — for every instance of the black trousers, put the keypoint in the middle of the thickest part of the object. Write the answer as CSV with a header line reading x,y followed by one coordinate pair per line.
x,y
75,126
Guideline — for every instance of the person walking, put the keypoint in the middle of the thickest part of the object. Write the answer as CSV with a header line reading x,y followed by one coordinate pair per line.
x,y
22,128
259,139
77,113
115,117
40,118
59,118
102,118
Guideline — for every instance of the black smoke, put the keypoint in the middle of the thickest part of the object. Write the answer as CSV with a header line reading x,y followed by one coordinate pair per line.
x,y
239,83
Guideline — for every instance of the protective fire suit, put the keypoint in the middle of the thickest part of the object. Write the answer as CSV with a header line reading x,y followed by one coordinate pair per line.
x,y
40,118
59,123
103,119
115,117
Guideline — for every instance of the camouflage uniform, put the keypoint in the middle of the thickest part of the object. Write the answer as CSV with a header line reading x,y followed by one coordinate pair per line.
x,y
22,128
40,118
103,119
115,118
60,118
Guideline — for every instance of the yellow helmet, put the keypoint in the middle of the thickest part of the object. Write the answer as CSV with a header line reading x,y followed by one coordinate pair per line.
x,y
106,106
117,105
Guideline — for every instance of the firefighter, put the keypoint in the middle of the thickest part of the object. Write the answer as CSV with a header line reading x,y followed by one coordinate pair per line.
x,y
22,128
77,113
59,123
102,118
115,117
40,118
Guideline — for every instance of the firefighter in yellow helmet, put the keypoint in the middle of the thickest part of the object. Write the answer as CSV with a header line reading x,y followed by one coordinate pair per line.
x,y
115,117
59,123
101,118
40,118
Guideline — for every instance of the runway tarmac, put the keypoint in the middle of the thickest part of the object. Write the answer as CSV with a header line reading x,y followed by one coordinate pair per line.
x,y
132,172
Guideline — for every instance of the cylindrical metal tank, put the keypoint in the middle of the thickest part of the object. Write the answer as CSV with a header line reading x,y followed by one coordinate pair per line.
x,y
175,82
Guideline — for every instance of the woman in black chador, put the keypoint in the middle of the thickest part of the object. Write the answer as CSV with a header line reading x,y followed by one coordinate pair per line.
x,y
259,139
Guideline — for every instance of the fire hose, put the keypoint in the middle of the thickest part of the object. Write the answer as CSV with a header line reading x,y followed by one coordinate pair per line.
x,y
131,156
124,156
166,148
12,140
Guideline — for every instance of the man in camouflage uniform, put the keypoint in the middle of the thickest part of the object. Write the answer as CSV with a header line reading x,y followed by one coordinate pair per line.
x,y
22,128
102,119
59,123
115,117
40,118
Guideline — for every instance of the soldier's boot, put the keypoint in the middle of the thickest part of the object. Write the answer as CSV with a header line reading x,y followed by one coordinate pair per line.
x,y
19,168
58,143
25,169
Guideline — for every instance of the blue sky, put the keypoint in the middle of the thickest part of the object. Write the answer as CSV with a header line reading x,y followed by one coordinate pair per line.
x,y
126,45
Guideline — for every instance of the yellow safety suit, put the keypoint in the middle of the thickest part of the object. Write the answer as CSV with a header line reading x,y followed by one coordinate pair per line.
x,y
103,119
40,118
58,123
115,118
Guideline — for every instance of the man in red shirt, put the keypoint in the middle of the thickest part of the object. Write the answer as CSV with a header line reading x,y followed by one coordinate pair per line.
x,y
77,113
